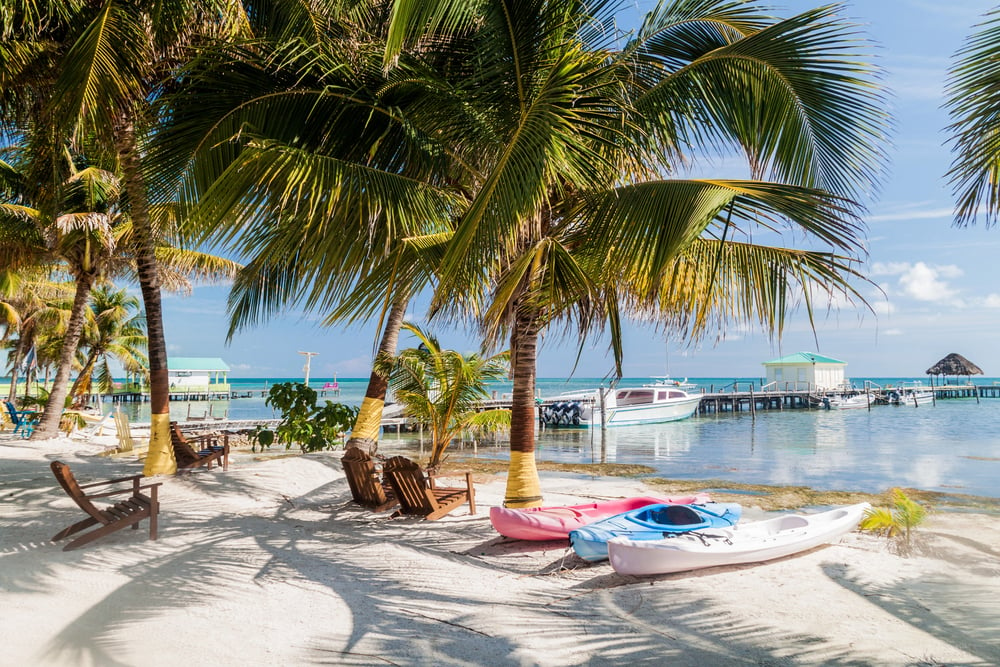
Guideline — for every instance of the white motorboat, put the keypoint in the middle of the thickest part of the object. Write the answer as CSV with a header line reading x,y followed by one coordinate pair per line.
x,y
847,402
651,404
742,543
914,395
673,383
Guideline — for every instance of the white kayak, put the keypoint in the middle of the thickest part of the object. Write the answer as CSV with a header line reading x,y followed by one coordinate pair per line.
x,y
743,543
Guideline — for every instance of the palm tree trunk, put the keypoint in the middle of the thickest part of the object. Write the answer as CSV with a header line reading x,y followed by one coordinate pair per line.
x,y
524,488
49,425
160,459
18,355
368,424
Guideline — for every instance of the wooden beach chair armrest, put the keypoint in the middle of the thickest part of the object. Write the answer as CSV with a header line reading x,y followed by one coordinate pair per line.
x,y
118,492
112,481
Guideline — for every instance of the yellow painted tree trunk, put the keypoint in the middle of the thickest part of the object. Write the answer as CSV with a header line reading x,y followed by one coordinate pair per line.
x,y
524,489
368,424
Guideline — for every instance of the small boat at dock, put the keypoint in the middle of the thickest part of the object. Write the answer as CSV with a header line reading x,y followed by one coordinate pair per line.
x,y
848,402
649,404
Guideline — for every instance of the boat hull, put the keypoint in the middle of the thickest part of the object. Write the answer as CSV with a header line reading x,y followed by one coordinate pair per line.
x,y
590,542
556,523
746,543
657,413
630,406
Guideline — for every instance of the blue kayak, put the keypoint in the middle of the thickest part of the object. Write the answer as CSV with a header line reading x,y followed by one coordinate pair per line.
x,y
652,522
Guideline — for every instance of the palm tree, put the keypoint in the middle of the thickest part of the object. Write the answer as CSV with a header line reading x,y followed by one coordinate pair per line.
x,y
29,304
536,140
442,389
91,236
570,135
93,72
327,184
118,332
973,104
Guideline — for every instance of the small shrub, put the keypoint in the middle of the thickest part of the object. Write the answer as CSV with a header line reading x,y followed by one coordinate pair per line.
x,y
897,522
304,424
261,436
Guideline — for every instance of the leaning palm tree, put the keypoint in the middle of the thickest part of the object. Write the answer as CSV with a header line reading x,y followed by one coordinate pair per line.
x,y
570,130
301,166
973,103
444,389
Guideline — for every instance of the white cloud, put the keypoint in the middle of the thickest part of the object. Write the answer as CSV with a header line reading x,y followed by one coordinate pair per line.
x,y
931,214
893,332
924,283
889,268
992,301
919,280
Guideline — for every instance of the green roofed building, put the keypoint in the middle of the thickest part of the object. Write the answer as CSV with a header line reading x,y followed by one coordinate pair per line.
x,y
198,374
806,370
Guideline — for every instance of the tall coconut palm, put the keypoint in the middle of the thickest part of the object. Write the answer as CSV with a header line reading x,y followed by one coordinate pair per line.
x,y
973,103
443,389
93,72
571,133
301,165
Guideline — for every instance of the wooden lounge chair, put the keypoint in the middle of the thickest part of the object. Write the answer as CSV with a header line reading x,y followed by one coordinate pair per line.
x,y
418,494
366,488
128,512
203,450
24,421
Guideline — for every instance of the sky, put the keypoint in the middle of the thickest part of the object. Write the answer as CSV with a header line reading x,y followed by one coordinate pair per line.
x,y
936,291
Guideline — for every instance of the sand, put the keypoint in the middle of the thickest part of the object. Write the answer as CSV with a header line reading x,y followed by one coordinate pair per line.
x,y
270,564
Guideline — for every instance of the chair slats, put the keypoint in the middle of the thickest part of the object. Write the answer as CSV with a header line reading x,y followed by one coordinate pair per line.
x,y
128,512
188,457
417,495
367,489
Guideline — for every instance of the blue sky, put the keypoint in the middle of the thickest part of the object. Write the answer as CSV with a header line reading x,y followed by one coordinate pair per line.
x,y
940,294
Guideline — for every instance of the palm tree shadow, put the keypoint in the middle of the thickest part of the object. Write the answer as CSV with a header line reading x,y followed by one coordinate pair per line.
x,y
960,611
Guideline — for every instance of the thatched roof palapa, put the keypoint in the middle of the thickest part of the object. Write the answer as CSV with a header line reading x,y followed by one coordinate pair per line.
x,y
954,364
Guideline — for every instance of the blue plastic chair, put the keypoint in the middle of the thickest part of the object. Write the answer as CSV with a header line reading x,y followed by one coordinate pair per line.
x,y
24,420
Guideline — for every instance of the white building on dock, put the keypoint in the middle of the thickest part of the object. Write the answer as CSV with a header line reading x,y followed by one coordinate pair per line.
x,y
806,370
198,375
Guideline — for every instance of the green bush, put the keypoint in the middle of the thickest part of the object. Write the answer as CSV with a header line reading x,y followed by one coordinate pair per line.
x,y
303,423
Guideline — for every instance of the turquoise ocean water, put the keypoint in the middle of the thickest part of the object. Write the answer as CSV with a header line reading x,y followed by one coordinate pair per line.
x,y
951,447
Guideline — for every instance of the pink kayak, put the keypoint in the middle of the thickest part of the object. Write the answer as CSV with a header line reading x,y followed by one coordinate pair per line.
x,y
555,523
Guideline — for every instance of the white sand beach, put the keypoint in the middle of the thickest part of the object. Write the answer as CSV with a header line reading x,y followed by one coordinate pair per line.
x,y
271,564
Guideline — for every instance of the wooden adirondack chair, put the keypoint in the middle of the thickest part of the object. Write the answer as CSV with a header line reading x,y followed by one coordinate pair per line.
x,y
124,432
128,512
366,488
418,494
203,450
24,421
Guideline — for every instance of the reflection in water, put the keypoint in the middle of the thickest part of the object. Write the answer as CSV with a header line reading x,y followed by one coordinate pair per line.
x,y
926,447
